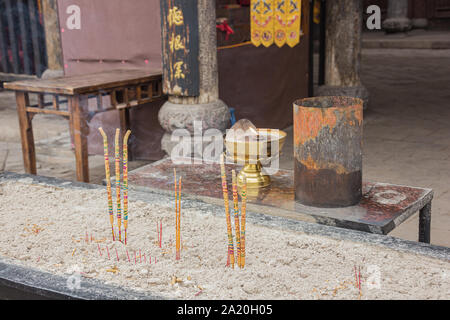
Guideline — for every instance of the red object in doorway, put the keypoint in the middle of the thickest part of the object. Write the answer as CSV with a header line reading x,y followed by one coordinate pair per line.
x,y
224,26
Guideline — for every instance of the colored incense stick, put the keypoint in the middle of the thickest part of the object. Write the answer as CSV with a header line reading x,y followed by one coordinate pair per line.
x,y
128,256
117,254
99,250
179,222
125,183
118,198
176,204
359,278
243,211
230,258
108,180
140,256
236,217
107,250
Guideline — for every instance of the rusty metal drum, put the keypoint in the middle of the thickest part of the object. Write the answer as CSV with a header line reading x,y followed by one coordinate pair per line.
x,y
328,151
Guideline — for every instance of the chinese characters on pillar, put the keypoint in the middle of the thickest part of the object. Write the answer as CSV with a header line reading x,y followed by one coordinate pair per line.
x,y
275,21
179,22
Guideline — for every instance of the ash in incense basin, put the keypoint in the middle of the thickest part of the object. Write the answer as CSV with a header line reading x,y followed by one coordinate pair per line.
x,y
254,148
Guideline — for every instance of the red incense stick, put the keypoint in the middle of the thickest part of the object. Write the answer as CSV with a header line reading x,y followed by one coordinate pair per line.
x,y
99,251
135,257
145,260
140,256
107,250
117,255
128,256
359,278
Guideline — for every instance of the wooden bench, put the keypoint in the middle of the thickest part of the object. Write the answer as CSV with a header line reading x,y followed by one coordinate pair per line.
x,y
124,89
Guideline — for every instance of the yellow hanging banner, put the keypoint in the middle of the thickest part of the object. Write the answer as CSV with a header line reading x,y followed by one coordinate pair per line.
x,y
280,22
275,21
262,22
293,20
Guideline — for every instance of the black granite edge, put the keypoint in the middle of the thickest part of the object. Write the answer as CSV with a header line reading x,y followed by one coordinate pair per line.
x,y
47,285
420,203
23,276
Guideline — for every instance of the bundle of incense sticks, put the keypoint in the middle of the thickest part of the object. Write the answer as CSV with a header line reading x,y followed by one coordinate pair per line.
x,y
159,232
230,253
243,213
177,215
236,217
118,187
108,180
118,198
239,230
125,183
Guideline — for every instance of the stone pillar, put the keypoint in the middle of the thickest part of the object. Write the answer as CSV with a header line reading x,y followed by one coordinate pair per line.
x,y
397,17
180,111
343,50
52,40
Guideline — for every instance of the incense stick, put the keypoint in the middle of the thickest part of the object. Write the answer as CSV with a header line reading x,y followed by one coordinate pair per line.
x,y
176,206
236,217
179,222
227,212
243,212
108,180
119,211
125,183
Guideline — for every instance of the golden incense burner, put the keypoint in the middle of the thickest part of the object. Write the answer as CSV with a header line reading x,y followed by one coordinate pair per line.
x,y
253,154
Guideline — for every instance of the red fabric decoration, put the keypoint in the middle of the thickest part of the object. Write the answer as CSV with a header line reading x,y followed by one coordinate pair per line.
x,y
225,28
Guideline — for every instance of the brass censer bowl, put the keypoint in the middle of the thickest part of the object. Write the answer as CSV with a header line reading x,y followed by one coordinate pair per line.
x,y
253,153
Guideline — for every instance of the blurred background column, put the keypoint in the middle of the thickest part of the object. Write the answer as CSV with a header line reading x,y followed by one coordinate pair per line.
x,y
52,40
397,17
343,28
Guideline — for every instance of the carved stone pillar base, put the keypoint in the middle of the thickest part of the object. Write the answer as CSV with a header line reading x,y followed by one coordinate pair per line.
x,y
172,116
397,24
358,92
51,74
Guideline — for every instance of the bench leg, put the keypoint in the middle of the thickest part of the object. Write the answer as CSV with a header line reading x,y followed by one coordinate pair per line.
x,y
26,133
80,131
425,223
